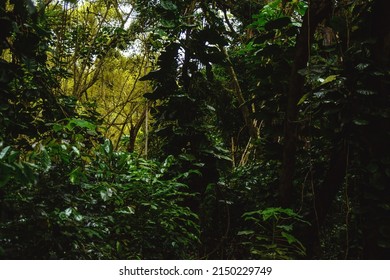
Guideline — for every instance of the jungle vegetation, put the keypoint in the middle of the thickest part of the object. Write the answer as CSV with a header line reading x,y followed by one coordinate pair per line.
x,y
194,129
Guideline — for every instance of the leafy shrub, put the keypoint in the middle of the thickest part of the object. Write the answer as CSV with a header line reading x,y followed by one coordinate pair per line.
x,y
270,234
64,201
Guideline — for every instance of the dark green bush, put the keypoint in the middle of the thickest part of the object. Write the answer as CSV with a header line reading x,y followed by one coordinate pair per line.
x,y
63,201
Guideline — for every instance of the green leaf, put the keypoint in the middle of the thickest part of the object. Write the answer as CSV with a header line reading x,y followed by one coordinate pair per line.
x,y
106,194
270,212
168,5
57,127
108,147
245,232
153,206
92,233
329,79
257,252
303,98
187,157
45,160
76,151
290,239
167,23
129,211
219,156
4,152
68,212
168,161
286,227
29,172
118,246
362,66
76,175
361,122
252,213
301,7
80,123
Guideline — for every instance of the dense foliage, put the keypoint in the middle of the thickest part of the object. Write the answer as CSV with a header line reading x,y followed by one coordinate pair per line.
x,y
172,129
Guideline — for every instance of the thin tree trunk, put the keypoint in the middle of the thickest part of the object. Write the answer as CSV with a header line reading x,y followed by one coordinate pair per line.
x,y
146,131
134,129
245,109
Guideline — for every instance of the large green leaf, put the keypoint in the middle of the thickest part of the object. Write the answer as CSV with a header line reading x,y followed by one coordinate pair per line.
x,y
108,147
329,79
4,152
80,123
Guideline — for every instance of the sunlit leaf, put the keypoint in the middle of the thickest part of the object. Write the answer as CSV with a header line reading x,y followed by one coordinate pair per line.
x,y
104,195
329,79
76,150
4,152
108,147
303,98
68,212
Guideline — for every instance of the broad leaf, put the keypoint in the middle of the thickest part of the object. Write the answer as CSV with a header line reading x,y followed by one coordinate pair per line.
x,y
329,79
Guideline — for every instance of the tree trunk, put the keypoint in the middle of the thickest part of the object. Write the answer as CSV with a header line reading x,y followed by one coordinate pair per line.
x,y
317,12
323,198
134,129
376,136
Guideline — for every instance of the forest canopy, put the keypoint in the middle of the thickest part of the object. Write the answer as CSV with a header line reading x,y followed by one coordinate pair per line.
x,y
200,129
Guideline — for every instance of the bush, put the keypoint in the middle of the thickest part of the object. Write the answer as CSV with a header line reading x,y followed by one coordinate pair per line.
x,y
64,201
